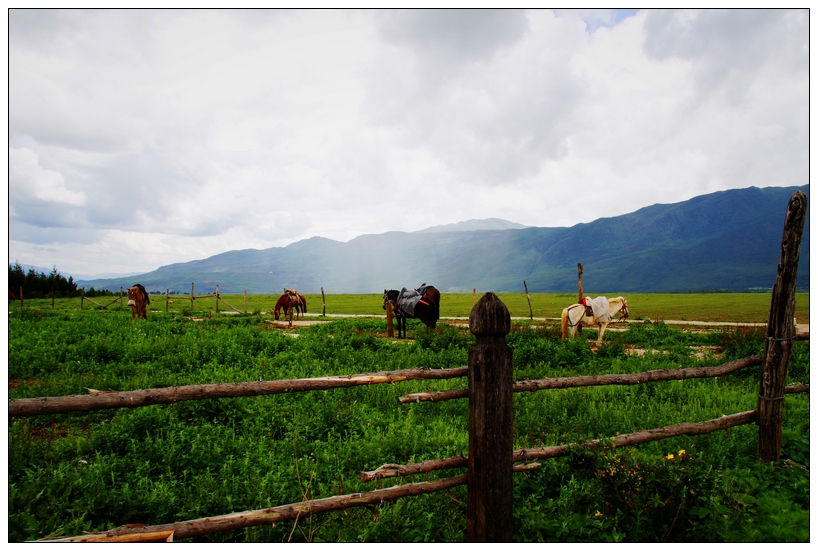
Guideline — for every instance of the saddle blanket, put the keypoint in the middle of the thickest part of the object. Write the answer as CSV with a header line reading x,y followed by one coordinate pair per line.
x,y
600,307
407,300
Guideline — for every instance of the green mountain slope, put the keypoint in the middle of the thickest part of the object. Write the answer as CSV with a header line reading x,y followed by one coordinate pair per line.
x,y
728,240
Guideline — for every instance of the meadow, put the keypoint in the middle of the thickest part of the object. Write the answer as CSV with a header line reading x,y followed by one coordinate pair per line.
x,y
719,307
94,471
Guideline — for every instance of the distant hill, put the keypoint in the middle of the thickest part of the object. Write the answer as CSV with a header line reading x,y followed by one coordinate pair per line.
x,y
724,241
474,225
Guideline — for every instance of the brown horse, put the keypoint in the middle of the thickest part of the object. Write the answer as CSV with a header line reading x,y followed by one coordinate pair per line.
x,y
423,303
290,302
138,299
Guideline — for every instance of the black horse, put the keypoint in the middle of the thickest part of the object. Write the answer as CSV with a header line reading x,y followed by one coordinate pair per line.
x,y
422,303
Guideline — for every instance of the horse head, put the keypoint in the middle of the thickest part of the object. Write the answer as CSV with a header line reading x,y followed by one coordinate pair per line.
x,y
624,308
390,296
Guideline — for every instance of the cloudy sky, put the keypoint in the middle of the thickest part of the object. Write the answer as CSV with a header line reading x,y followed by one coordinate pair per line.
x,y
143,138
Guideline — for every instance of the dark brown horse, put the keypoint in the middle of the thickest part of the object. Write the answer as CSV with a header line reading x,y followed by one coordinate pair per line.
x,y
422,303
290,302
138,300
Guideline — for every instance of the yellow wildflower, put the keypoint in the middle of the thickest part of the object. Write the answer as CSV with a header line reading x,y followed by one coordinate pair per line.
x,y
669,456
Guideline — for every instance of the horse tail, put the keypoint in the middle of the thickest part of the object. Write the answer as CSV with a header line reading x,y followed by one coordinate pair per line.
x,y
303,303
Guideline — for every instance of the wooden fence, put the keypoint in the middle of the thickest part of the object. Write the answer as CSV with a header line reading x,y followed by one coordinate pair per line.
x,y
490,389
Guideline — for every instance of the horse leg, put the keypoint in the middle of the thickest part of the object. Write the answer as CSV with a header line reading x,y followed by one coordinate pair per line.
x,y
602,327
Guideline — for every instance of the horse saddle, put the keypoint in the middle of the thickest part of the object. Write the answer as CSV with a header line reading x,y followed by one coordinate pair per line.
x,y
598,308
407,300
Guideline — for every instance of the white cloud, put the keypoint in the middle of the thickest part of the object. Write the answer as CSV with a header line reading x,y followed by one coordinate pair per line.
x,y
30,181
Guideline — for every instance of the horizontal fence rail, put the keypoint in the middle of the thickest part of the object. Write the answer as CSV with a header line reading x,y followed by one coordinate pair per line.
x,y
597,380
23,407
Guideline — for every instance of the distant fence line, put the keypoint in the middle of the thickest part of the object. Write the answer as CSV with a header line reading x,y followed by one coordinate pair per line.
x,y
168,299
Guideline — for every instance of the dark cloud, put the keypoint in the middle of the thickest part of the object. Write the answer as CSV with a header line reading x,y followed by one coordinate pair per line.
x,y
451,35
730,47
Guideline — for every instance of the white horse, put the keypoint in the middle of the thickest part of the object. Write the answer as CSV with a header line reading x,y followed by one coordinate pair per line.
x,y
576,314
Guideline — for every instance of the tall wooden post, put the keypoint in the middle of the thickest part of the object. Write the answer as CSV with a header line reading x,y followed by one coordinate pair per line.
x,y
579,289
491,424
217,299
390,326
324,303
530,311
780,334
579,281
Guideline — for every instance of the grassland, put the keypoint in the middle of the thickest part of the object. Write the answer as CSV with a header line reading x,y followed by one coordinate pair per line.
x,y
94,471
719,307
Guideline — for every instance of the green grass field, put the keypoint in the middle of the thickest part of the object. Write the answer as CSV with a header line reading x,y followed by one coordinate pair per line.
x,y
95,471
720,307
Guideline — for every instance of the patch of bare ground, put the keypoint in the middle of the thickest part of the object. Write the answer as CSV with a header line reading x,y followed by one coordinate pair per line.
x,y
699,352
16,384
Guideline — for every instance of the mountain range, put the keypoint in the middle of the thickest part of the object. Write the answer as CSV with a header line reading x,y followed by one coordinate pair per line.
x,y
723,241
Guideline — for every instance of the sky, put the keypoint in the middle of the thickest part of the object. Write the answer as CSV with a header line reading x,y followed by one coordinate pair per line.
x,y
144,138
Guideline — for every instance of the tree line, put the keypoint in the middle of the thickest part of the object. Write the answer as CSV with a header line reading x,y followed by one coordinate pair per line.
x,y
39,285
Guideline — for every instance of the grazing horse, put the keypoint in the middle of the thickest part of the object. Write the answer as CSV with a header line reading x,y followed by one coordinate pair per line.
x,y
290,301
138,299
599,311
422,303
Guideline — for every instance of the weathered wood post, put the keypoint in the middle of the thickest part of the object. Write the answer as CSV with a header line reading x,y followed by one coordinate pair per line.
x,y
217,299
780,334
489,508
579,289
530,311
323,303
390,326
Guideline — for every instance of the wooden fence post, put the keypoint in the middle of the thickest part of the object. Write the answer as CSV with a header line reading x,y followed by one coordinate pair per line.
x,y
390,326
217,299
579,289
530,311
324,303
489,509
780,334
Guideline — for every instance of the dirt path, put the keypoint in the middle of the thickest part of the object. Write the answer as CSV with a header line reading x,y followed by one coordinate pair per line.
x,y
799,328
